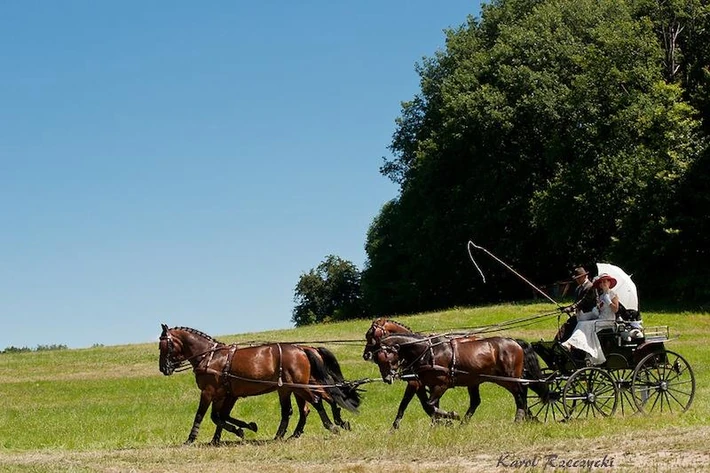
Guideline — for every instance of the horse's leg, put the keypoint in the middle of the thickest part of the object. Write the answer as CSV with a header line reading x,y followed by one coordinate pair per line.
x,y
337,418
409,392
286,411
519,393
224,415
219,417
423,396
474,396
521,401
317,402
303,412
436,392
205,401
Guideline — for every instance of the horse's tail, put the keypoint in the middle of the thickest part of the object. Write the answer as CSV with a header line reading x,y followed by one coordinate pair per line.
x,y
325,369
532,370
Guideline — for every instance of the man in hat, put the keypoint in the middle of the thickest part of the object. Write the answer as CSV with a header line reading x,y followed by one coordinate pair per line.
x,y
585,302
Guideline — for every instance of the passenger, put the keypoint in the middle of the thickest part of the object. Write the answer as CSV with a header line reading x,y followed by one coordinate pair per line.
x,y
584,336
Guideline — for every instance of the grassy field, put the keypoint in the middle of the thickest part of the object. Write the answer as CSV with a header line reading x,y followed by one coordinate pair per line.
x,y
109,409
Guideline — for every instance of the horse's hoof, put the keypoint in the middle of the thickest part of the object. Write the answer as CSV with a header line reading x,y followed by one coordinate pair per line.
x,y
239,433
346,425
252,426
295,435
188,442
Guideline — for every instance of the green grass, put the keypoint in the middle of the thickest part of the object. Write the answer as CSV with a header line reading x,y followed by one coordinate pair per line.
x,y
110,409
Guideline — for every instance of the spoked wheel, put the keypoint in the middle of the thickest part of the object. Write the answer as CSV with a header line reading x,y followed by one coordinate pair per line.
x,y
623,380
590,392
663,382
550,408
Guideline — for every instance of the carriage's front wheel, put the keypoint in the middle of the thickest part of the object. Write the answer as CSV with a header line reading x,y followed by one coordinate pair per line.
x,y
551,408
590,392
663,382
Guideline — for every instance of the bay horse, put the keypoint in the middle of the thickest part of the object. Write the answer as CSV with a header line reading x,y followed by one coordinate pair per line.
x,y
461,361
225,373
383,327
334,375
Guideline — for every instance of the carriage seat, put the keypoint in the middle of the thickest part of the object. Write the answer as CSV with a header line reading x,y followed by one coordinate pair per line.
x,y
623,333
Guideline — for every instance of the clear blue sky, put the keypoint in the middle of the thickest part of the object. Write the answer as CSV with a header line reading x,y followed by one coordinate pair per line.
x,y
185,162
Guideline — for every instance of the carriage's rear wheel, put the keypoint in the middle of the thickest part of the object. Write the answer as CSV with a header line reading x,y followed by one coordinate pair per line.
x,y
623,379
663,382
590,392
550,409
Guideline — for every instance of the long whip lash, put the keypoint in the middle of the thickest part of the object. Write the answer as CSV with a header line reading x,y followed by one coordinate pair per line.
x,y
470,255
472,244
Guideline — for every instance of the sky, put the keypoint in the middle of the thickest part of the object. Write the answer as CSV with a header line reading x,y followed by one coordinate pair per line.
x,y
186,162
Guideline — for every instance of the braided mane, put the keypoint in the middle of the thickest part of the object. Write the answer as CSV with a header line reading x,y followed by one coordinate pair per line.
x,y
382,321
198,333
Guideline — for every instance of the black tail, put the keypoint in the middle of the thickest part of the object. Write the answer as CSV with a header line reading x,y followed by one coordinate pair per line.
x,y
325,369
532,370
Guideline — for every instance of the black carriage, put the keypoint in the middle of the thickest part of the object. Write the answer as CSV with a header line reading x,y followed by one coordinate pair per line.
x,y
639,375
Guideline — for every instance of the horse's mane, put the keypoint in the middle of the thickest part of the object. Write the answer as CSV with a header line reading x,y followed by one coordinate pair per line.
x,y
383,320
198,333
408,336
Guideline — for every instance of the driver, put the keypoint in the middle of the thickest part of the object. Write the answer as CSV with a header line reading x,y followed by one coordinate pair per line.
x,y
584,306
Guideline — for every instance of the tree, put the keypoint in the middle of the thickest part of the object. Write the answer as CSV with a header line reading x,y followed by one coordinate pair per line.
x,y
328,292
546,131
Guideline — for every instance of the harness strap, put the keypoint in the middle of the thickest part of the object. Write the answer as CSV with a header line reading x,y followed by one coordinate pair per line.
x,y
452,374
227,368
280,382
209,360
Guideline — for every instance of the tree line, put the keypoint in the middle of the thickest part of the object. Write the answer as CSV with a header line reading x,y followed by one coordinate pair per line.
x,y
554,133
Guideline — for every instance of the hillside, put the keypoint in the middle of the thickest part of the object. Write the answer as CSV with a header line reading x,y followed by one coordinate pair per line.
x,y
110,409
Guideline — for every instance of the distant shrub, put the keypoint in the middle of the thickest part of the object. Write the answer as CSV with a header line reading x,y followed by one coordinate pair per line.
x,y
12,349
52,347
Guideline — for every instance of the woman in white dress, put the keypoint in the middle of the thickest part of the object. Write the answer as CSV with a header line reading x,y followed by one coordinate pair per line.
x,y
584,336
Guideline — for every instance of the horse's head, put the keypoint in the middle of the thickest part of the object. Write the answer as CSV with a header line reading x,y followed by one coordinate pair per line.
x,y
379,329
171,351
372,338
386,356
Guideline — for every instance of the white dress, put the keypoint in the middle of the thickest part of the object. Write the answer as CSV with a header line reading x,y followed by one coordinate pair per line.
x,y
585,337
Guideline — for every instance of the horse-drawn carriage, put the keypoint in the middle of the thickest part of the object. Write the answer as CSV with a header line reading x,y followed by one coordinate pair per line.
x,y
639,374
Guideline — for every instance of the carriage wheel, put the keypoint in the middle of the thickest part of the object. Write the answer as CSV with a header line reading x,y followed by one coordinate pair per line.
x,y
552,409
623,380
590,392
663,382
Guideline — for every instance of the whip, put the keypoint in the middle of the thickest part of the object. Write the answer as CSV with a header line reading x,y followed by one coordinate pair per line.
x,y
472,244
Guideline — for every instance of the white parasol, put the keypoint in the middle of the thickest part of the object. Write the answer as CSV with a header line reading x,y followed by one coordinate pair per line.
x,y
625,287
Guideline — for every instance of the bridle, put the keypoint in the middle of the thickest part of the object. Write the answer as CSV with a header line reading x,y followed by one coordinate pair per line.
x,y
370,347
176,365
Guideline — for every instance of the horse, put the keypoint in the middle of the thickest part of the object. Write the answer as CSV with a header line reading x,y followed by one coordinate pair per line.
x,y
383,327
225,373
334,376
462,361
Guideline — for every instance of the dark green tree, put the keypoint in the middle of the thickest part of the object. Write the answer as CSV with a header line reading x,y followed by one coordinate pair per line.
x,y
547,132
328,292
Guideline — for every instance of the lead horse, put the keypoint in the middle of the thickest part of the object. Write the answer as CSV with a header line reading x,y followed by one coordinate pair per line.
x,y
226,373
334,376
462,361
